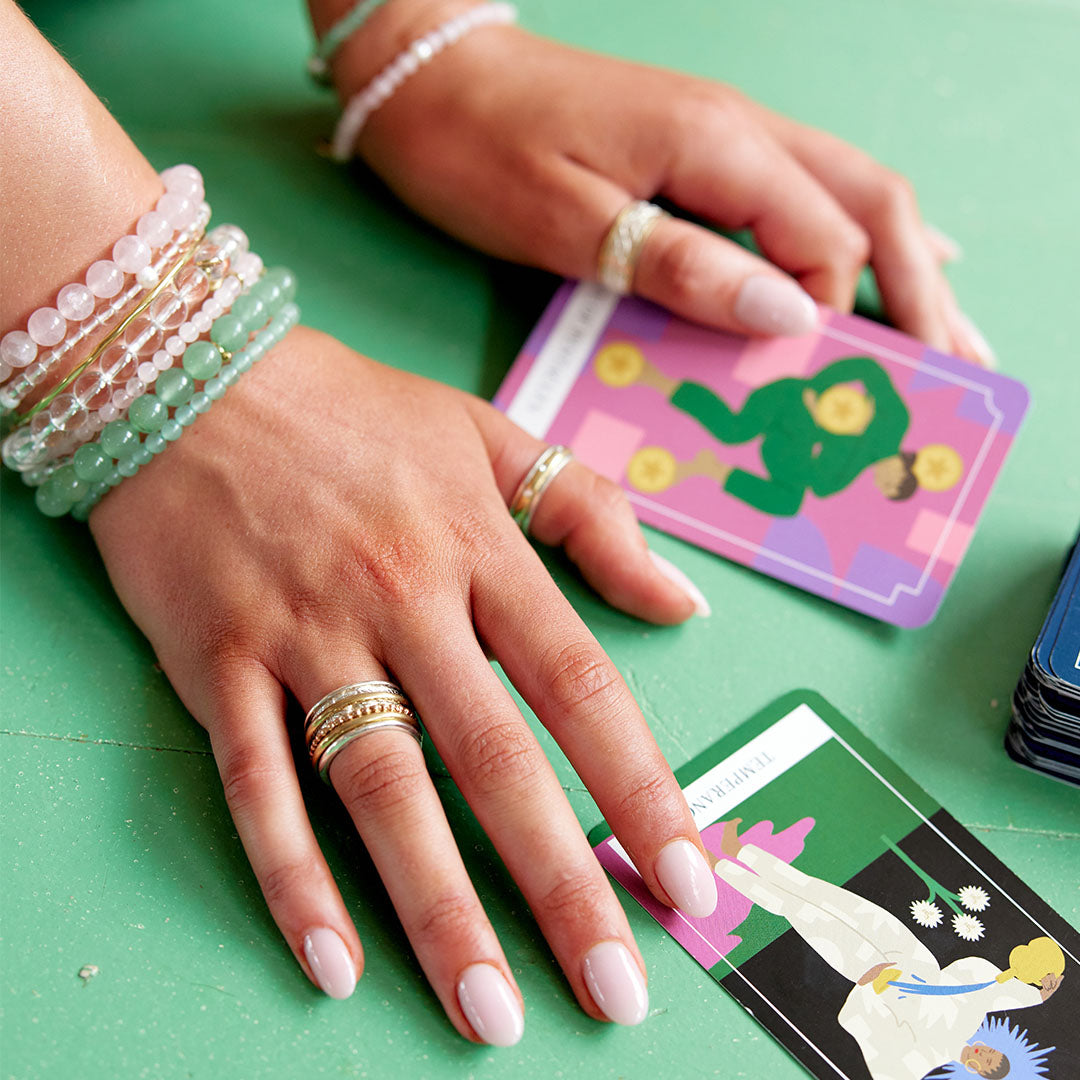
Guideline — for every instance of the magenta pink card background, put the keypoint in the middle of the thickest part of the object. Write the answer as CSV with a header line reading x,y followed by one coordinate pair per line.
x,y
891,560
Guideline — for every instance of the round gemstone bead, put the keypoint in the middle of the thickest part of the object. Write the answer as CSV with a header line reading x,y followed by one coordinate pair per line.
x,y
188,332
229,375
61,409
229,332
154,228
75,302
171,431
91,390
213,307
184,180
148,413
193,285
104,279
47,326
142,456
18,349
91,462
242,361
250,310
201,321
60,492
212,261
108,412
268,290
175,387
131,254
147,372
202,360
285,280
168,310
148,277
247,266
119,439
200,402
118,364
154,444
174,346
215,389
185,415
128,467
177,209
143,335
17,449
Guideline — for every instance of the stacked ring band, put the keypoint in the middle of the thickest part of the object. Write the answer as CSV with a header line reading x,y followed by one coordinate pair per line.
x,y
527,497
351,711
625,240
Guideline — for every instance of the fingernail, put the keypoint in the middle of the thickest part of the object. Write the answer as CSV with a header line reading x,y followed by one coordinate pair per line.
x,y
687,879
773,305
490,1005
330,962
947,248
677,577
616,983
979,345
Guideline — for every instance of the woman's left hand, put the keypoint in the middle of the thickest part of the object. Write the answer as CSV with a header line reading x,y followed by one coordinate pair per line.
x,y
529,149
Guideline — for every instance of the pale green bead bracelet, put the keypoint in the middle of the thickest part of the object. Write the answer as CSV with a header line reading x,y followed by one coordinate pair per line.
x,y
162,414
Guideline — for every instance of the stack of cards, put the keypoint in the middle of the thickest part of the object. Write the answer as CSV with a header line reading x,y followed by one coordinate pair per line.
x,y
1045,728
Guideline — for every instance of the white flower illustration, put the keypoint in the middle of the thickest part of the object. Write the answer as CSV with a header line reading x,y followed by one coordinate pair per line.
x,y
967,927
974,898
925,913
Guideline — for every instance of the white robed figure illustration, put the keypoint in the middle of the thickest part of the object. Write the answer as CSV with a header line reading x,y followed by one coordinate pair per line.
x,y
907,1013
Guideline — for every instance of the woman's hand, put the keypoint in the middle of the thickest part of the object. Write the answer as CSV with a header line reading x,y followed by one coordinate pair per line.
x,y
529,149
358,529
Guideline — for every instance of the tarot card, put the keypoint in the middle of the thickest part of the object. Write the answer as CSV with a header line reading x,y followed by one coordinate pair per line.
x,y
858,922
852,462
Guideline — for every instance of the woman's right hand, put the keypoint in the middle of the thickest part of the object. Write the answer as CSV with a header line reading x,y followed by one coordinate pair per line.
x,y
334,521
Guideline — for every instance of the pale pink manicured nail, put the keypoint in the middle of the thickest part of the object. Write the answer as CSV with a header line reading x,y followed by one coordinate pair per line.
x,y
947,248
677,577
330,962
616,983
979,345
687,879
773,305
490,1005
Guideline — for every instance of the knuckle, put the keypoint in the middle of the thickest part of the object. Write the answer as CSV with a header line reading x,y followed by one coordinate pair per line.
x,y
573,897
247,773
852,246
397,571
381,784
894,195
645,796
683,267
284,882
452,918
581,675
498,756
605,499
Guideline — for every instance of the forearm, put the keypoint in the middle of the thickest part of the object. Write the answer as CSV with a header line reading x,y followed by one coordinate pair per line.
x,y
72,182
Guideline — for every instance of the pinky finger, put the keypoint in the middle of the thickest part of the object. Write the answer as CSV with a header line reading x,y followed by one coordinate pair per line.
x,y
255,760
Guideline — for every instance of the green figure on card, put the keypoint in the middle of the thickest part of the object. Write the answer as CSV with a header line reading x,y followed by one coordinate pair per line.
x,y
817,434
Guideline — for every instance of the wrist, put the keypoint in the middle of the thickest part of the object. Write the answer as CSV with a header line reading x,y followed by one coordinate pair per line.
x,y
390,30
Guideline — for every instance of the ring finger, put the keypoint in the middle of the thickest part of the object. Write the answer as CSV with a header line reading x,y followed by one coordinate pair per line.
x,y
382,779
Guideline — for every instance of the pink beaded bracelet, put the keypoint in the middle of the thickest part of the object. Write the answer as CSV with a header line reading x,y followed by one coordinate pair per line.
x,y
382,87
73,318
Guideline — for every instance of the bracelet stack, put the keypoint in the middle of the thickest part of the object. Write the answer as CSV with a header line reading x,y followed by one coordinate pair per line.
x,y
198,313
408,63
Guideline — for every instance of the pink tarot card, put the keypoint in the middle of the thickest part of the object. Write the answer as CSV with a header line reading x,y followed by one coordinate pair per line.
x,y
852,462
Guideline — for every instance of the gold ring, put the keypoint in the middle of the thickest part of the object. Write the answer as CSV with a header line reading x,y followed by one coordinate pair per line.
x,y
354,710
624,243
546,467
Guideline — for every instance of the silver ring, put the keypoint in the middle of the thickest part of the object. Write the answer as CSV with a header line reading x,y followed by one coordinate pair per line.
x,y
351,712
624,243
527,497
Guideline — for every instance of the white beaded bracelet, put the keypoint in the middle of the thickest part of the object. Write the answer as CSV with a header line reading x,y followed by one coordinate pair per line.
x,y
424,49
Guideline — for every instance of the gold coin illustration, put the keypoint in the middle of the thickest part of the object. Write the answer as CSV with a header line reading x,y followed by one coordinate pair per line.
x,y
937,467
619,364
652,469
843,410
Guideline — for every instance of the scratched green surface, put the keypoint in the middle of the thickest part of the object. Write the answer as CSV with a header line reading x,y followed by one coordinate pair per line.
x,y
117,851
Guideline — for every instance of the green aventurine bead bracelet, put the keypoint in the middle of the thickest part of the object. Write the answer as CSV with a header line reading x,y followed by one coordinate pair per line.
x,y
120,451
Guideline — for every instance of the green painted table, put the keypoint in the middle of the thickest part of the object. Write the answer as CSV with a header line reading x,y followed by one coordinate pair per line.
x,y
117,848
